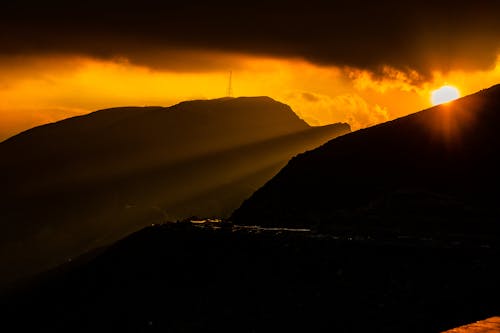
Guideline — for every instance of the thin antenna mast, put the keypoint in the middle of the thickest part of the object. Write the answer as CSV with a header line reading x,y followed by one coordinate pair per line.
x,y
230,85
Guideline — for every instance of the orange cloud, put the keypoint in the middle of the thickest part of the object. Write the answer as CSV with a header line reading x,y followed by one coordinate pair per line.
x,y
319,109
36,90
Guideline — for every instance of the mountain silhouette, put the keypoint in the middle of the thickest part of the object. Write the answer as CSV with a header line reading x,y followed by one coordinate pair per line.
x,y
86,181
434,172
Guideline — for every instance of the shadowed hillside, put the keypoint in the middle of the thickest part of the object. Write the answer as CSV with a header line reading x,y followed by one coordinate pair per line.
x,y
86,181
433,172
184,278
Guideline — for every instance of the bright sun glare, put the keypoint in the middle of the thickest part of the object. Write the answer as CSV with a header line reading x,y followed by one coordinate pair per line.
x,y
444,94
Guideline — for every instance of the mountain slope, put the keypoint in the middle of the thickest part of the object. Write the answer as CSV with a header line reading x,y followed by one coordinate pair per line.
x,y
86,181
435,171
181,278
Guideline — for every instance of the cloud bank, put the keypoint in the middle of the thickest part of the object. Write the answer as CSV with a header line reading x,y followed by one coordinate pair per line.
x,y
409,36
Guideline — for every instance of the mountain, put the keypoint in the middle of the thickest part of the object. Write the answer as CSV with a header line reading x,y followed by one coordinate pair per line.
x,y
435,172
178,277
73,185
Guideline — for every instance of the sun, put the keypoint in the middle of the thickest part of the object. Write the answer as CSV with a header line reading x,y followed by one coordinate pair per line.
x,y
444,94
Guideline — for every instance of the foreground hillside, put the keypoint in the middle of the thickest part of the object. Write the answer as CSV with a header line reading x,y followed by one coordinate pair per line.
x,y
186,278
86,181
433,172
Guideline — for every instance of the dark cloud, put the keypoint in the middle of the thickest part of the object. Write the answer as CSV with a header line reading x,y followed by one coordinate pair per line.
x,y
310,97
414,35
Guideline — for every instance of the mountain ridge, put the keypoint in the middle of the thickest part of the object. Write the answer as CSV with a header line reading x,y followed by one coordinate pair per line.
x,y
184,276
91,179
431,171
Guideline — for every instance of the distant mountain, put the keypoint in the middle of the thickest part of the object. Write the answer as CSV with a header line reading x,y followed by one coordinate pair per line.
x,y
86,181
433,172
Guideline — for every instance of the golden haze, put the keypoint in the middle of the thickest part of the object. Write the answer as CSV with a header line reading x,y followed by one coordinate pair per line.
x,y
37,90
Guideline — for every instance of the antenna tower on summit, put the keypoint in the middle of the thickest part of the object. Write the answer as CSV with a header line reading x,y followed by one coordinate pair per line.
x,y
230,85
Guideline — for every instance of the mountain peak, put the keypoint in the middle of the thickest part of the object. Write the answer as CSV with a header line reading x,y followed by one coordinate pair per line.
x,y
71,184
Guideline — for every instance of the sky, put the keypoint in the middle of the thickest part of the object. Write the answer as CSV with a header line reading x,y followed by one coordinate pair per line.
x,y
332,61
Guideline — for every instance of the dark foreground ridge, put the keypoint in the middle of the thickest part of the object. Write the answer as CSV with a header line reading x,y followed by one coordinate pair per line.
x,y
88,181
189,278
434,172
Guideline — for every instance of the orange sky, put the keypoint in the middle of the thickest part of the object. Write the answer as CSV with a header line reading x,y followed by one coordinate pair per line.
x,y
37,90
